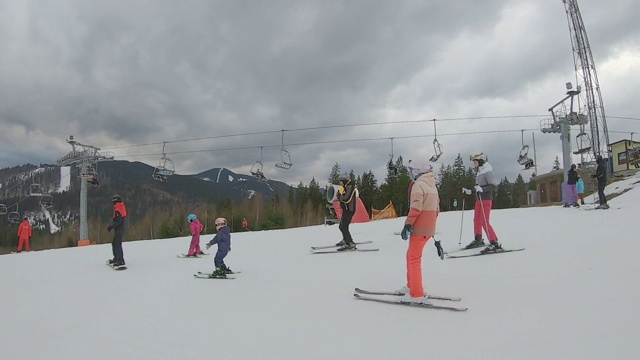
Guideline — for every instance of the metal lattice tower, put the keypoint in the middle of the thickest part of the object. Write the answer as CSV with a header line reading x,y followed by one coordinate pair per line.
x,y
83,156
590,99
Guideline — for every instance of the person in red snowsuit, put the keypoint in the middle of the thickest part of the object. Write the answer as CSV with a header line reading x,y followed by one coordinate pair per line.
x,y
24,234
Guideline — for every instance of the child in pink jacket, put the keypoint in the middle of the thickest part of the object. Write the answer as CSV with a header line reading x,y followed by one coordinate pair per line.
x,y
196,228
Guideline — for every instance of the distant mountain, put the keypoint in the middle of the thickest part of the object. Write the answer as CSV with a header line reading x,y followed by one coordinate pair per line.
x,y
134,182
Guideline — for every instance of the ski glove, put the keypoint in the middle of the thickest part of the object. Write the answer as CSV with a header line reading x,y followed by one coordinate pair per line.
x,y
466,191
478,188
406,231
109,228
440,251
341,190
207,246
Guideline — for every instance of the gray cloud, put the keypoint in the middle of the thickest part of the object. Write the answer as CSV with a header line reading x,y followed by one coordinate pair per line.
x,y
124,73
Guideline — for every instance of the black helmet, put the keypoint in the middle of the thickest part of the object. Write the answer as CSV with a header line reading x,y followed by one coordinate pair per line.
x,y
116,198
598,157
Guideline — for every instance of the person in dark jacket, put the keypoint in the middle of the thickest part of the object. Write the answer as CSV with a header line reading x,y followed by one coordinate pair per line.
x,y
572,191
223,239
118,226
601,176
347,197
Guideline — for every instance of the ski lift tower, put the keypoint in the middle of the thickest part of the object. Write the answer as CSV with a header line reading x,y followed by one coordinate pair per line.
x,y
590,99
83,156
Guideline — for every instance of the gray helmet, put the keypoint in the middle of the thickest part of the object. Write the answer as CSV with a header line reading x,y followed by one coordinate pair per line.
x,y
116,198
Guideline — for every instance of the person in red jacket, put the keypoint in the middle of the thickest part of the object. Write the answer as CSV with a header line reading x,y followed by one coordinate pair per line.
x,y
24,234
245,224
118,226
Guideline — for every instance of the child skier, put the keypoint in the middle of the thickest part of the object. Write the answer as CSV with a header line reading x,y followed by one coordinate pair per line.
x,y
223,239
196,228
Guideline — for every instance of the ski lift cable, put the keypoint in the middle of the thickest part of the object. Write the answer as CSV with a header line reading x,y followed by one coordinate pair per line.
x,y
324,142
505,117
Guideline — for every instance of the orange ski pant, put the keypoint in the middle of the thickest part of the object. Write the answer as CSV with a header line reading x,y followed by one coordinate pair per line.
x,y
414,264
23,242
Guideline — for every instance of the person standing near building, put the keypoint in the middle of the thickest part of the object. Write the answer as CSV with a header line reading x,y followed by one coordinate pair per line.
x,y
118,226
484,188
572,191
25,231
601,176
580,189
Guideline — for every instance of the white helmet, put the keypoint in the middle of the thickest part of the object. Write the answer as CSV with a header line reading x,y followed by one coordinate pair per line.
x,y
419,167
479,157
220,223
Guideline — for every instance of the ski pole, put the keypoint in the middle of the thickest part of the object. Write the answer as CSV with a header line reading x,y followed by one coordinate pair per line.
x,y
461,222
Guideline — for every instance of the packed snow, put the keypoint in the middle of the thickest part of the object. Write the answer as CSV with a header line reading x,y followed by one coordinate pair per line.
x,y
572,294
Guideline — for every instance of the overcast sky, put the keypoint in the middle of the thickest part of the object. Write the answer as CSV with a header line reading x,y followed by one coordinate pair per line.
x,y
120,73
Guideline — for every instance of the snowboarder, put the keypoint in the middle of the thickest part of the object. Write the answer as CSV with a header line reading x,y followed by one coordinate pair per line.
x,y
419,227
223,239
119,226
601,176
484,188
196,227
24,234
347,198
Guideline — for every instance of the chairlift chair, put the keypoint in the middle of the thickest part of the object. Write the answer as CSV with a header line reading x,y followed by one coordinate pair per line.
x,y
391,166
89,173
14,216
437,147
286,163
36,190
583,142
257,168
165,167
46,201
523,156
3,209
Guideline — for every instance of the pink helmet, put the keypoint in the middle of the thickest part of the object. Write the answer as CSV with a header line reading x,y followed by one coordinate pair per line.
x,y
220,223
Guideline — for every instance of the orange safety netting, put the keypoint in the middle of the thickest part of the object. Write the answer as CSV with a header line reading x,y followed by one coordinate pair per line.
x,y
389,212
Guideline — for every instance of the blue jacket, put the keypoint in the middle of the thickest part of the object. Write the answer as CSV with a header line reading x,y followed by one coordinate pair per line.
x,y
580,186
223,239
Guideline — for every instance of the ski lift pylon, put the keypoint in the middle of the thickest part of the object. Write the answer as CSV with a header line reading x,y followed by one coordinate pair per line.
x,y
523,156
437,147
286,163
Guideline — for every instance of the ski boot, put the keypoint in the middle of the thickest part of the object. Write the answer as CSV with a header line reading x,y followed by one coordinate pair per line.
x,y
219,273
494,247
477,242
348,247
341,243
226,269
408,299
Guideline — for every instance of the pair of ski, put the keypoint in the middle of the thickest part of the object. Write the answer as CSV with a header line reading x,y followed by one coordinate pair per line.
x,y
478,253
324,249
203,275
383,297
186,256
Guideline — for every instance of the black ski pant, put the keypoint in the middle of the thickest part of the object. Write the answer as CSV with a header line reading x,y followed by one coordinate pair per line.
x,y
601,195
344,226
116,246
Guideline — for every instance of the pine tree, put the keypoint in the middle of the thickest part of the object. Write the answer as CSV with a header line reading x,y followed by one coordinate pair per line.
x,y
335,174
519,195
556,164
